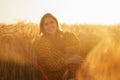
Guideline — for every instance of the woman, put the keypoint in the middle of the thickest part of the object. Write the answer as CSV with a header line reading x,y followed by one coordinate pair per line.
x,y
56,49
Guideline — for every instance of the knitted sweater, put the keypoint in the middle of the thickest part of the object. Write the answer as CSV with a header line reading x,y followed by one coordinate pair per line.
x,y
52,58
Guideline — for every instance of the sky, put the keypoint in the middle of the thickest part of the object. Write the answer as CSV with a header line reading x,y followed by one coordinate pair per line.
x,y
66,11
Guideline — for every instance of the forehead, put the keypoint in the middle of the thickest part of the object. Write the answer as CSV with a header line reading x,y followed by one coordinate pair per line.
x,y
48,18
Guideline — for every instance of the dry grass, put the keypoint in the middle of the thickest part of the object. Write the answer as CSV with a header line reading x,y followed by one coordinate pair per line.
x,y
102,60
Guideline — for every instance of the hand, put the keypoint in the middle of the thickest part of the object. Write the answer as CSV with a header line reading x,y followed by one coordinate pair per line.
x,y
73,63
76,59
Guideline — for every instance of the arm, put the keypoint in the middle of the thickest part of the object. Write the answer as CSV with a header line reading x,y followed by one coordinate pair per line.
x,y
74,49
72,44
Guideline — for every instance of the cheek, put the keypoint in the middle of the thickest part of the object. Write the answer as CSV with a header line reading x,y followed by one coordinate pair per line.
x,y
55,26
45,28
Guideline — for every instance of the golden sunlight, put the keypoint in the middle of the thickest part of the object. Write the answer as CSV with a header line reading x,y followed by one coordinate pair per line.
x,y
82,49
73,11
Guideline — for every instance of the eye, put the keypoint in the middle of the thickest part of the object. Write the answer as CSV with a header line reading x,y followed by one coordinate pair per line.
x,y
52,22
46,24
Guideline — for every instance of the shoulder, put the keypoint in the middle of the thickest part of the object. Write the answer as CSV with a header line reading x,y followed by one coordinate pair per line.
x,y
69,35
70,39
65,34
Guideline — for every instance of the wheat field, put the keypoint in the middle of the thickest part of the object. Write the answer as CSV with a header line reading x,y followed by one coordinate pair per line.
x,y
100,47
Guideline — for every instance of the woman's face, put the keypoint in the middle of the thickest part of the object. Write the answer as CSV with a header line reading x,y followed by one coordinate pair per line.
x,y
50,25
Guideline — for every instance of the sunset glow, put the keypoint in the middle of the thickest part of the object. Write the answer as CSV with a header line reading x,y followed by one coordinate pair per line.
x,y
67,11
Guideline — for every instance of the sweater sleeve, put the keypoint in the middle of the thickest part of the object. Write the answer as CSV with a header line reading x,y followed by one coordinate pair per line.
x,y
70,39
72,43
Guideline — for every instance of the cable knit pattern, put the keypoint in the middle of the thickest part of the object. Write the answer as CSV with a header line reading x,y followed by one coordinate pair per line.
x,y
52,59
70,40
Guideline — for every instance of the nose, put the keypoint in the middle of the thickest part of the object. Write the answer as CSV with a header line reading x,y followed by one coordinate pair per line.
x,y
50,25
